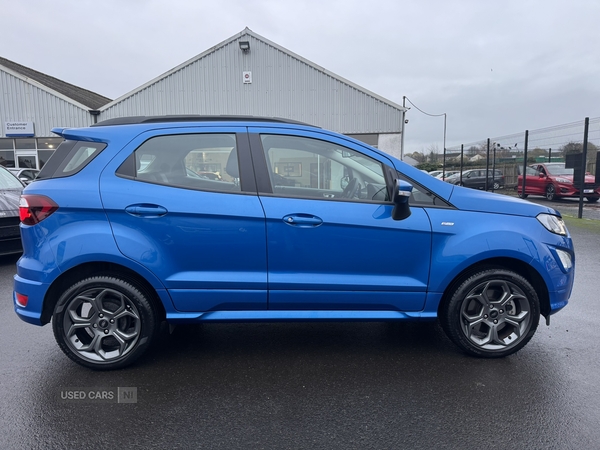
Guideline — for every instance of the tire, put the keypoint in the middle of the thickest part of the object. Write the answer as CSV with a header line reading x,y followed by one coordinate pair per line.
x,y
521,195
550,192
496,186
592,199
492,314
104,323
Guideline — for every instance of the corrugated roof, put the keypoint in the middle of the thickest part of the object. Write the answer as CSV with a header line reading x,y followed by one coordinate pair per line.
x,y
80,95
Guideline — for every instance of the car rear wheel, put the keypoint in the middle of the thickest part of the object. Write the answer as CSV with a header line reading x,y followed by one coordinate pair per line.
x,y
491,314
104,323
496,185
521,195
592,199
550,192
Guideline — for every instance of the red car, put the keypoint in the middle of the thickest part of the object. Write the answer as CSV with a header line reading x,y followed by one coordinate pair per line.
x,y
553,180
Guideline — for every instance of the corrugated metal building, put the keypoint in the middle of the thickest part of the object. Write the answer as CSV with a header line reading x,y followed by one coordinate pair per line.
x,y
243,75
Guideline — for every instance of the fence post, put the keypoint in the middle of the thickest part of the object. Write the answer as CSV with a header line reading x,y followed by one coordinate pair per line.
x,y
583,166
487,165
524,165
494,167
462,152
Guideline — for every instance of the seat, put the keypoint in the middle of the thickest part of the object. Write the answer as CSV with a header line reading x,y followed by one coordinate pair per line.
x,y
232,167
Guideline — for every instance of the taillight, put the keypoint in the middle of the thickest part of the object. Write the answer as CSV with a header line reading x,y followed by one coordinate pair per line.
x,y
35,208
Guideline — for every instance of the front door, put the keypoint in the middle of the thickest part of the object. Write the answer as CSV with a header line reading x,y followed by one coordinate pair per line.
x,y
332,243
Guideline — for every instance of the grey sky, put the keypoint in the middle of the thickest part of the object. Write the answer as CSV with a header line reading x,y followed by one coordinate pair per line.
x,y
495,68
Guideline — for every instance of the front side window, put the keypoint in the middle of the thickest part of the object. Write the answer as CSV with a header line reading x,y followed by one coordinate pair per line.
x,y
311,168
191,161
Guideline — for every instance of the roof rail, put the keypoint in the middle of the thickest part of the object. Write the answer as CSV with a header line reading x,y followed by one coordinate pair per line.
x,y
192,118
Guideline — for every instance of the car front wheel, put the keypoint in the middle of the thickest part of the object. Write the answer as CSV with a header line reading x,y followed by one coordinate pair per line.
x,y
104,323
550,192
491,314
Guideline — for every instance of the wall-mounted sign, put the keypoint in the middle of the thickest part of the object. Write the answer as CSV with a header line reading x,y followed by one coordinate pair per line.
x,y
18,129
247,76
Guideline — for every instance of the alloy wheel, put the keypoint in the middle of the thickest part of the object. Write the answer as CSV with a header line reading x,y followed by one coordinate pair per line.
x,y
101,324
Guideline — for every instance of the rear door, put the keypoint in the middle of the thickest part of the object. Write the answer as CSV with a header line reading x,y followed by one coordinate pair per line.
x,y
332,244
183,203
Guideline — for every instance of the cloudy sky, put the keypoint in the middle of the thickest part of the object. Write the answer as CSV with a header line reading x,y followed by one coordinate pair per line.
x,y
494,67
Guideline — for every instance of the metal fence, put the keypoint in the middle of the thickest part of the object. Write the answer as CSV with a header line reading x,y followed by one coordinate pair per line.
x,y
512,153
545,144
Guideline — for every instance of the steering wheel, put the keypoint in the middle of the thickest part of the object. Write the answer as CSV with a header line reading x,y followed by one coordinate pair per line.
x,y
351,190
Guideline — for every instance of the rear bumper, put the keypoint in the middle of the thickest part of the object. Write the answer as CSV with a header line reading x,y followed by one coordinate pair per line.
x,y
35,292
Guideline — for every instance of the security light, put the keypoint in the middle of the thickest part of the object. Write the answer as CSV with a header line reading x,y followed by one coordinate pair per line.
x,y
245,46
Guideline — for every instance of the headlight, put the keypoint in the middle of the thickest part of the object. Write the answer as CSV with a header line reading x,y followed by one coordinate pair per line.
x,y
564,180
553,224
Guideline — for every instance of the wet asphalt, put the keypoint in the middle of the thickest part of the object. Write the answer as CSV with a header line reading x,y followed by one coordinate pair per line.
x,y
307,385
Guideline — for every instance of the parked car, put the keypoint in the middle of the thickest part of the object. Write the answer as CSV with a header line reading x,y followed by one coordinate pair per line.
x,y
446,175
25,175
10,191
112,247
475,179
553,180
435,173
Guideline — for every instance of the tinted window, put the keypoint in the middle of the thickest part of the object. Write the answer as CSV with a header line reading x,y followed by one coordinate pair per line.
x,y
69,158
7,158
191,161
6,144
305,167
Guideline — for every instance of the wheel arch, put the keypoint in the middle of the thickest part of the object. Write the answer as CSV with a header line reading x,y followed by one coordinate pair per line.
x,y
512,264
77,273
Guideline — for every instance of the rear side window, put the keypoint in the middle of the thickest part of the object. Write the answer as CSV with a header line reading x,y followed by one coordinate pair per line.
x,y
189,161
69,158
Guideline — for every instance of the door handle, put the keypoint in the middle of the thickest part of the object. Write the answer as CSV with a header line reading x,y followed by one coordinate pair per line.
x,y
146,210
303,220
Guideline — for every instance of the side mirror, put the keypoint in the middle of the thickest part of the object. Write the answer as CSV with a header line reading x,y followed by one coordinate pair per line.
x,y
401,195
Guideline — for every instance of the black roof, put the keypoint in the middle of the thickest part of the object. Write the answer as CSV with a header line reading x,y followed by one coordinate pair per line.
x,y
80,95
191,118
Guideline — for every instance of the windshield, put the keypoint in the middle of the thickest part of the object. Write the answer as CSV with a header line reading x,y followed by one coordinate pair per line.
x,y
9,181
558,169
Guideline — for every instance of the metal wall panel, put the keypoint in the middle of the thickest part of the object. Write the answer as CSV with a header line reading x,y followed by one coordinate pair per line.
x,y
23,101
283,85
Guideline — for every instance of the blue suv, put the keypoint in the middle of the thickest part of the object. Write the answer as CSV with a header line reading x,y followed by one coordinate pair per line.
x,y
124,230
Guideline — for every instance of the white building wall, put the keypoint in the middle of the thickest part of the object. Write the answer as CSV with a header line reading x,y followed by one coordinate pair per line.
x,y
283,85
391,144
25,101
